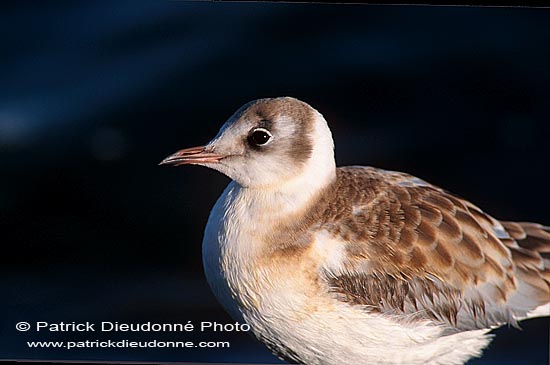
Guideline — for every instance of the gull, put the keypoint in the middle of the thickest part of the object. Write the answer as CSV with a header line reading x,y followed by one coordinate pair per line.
x,y
356,265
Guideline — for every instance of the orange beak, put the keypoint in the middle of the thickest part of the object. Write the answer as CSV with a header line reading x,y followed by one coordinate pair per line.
x,y
189,156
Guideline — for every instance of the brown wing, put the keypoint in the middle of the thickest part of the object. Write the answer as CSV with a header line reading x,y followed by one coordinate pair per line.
x,y
414,249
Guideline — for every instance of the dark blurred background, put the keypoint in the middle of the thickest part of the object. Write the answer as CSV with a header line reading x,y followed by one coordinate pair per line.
x,y
94,94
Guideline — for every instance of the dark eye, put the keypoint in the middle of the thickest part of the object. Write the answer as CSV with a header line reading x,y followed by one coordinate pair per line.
x,y
259,137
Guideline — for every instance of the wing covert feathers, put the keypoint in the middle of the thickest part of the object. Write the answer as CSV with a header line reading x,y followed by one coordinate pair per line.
x,y
414,250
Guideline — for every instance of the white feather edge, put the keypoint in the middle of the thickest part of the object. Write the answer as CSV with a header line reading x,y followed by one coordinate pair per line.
x,y
540,311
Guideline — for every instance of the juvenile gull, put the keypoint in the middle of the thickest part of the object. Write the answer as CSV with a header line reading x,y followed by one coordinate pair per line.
x,y
356,265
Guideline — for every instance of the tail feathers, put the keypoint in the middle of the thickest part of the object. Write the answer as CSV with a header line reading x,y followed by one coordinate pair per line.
x,y
529,244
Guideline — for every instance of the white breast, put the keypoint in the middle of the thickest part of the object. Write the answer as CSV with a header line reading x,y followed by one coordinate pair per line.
x,y
232,256
214,242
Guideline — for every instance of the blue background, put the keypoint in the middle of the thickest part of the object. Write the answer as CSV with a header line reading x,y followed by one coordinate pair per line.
x,y
94,94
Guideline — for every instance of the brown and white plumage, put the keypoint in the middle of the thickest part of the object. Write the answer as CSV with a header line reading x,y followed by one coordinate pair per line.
x,y
356,265
414,249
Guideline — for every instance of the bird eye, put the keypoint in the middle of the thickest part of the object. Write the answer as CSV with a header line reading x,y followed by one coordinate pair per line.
x,y
259,137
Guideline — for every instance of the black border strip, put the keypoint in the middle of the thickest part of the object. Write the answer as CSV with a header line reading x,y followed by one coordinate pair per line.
x,y
478,3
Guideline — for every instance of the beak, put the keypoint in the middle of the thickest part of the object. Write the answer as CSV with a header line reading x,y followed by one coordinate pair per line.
x,y
193,155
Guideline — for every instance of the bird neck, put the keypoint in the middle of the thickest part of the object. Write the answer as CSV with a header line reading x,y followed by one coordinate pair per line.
x,y
295,195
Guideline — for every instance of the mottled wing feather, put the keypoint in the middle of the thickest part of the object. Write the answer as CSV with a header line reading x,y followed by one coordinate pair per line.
x,y
413,249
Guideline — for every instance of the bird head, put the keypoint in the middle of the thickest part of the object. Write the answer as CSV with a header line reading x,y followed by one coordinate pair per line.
x,y
266,143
